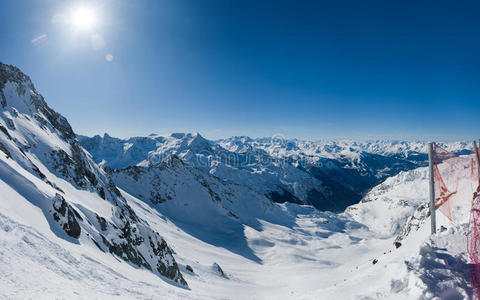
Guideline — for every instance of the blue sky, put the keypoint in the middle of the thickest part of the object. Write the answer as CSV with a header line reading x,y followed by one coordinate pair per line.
x,y
306,69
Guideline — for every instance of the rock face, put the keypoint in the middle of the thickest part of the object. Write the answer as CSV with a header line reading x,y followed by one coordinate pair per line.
x,y
40,155
421,215
66,216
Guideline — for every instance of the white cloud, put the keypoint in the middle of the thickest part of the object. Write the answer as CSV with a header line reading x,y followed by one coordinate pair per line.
x,y
39,39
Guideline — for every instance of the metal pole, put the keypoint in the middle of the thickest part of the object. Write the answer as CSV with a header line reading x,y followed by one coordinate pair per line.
x,y
475,148
432,188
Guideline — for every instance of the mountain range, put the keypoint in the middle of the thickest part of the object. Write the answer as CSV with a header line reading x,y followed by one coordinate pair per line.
x,y
329,175
184,217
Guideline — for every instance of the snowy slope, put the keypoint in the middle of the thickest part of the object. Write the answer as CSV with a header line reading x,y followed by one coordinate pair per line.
x,y
42,163
320,256
386,208
399,207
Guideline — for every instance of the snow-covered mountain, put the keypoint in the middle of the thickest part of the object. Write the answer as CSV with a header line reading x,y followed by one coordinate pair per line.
x,y
328,175
278,180
192,197
280,147
70,228
44,169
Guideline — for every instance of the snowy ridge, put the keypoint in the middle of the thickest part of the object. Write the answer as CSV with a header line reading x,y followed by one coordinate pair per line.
x,y
43,163
280,147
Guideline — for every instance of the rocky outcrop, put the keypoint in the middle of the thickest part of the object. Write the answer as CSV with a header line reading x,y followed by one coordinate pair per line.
x,y
414,222
66,216
216,267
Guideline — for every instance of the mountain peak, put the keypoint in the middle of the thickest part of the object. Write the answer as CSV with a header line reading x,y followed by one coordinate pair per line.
x,y
18,92
198,142
178,135
106,135
13,74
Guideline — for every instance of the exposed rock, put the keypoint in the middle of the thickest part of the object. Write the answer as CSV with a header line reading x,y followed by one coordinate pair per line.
x,y
102,222
5,131
5,150
3,100
10,123
413,223
39,173
218,270
73,167
65,215
101,192
231,214
170,269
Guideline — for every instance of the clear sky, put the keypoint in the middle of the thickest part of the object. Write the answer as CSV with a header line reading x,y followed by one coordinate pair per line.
x,y
306,69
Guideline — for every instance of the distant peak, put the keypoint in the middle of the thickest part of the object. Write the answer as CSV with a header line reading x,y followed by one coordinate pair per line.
x,y
198,135
198,143
178,135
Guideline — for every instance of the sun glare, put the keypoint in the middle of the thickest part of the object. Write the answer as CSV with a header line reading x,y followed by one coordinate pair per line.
x,y
83,18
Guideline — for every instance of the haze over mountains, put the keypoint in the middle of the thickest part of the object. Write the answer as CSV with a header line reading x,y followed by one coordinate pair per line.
x,y
180,216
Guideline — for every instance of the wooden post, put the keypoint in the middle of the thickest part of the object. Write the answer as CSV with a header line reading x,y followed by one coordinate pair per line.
x,y
432,188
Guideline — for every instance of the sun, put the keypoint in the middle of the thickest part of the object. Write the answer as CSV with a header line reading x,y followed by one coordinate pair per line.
x,y
83,18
